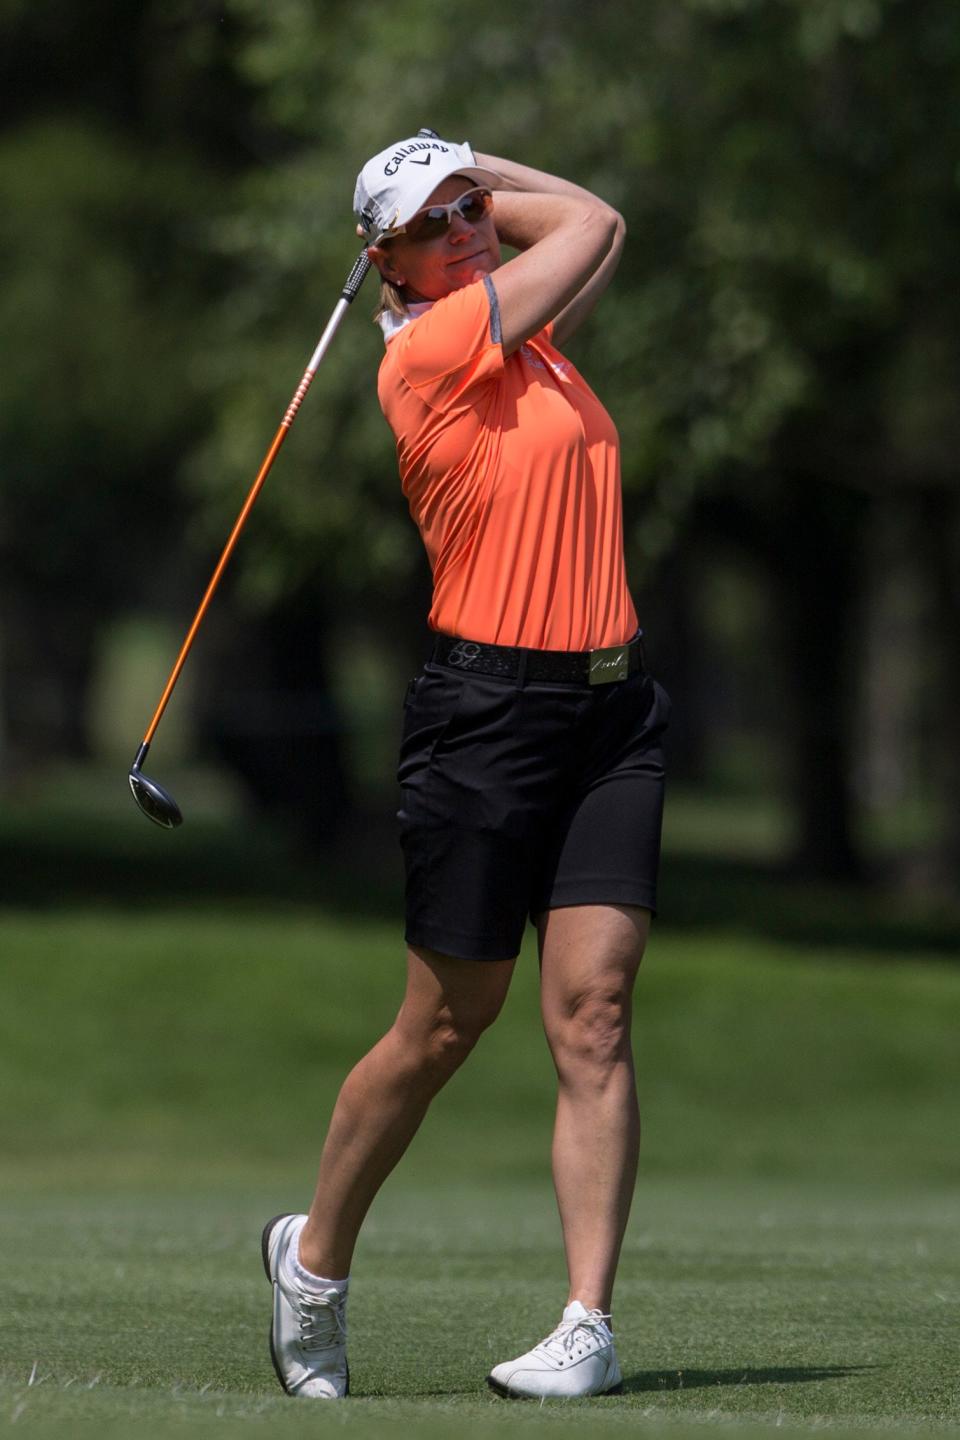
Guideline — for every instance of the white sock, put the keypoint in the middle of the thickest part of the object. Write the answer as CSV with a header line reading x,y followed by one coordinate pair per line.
x,y
318,1282
305,1276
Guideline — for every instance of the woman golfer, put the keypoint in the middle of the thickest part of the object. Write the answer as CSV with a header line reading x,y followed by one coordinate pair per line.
x,y
530,766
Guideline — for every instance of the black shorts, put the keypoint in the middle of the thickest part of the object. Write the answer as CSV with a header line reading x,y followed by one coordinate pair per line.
x,y
516,799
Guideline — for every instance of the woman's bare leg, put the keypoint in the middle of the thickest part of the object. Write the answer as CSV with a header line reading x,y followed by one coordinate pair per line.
x,y
447,1005
589,957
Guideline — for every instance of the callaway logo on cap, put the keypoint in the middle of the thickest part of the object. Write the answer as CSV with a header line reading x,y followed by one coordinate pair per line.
x,y
398,182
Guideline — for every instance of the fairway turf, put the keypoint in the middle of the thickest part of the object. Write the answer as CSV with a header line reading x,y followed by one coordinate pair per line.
x,y
792,1262
779,1302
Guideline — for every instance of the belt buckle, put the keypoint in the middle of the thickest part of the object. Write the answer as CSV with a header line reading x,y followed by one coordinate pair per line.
x,y
607,665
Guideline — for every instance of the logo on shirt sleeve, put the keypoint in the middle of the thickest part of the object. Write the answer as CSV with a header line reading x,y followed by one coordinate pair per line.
x,y
560,368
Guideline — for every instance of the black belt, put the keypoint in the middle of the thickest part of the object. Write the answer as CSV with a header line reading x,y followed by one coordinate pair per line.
x,y
565,667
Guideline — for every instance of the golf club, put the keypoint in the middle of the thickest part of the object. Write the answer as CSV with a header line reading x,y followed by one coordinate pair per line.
x,y
156,802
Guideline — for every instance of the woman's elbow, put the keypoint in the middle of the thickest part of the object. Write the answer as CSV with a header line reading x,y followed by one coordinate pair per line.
x,y
618,228
611,228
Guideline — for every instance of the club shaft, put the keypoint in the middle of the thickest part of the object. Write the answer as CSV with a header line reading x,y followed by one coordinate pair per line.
x,y
353,284
340,310
228,550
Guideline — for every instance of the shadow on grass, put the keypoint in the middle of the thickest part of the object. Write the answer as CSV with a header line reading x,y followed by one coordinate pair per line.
x,y
699,894
647,1380
50,858
643,1382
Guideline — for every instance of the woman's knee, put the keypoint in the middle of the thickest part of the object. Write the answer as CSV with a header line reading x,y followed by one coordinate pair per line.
x,y
439,1038
589,1033
449,1042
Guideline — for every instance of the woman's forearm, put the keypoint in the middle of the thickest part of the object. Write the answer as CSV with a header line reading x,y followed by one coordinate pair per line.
x,y
534,203
536,182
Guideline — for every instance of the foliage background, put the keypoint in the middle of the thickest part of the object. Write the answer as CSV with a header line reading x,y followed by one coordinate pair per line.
x,y
779,353
176,1012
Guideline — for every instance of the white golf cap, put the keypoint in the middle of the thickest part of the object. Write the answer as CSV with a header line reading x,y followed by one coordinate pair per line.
x,y
398,182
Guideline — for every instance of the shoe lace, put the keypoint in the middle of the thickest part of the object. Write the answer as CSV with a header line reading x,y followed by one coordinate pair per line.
x,y
323,1319
561,1342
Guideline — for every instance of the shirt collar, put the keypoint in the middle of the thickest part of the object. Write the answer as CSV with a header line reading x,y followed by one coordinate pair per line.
x,y
392,324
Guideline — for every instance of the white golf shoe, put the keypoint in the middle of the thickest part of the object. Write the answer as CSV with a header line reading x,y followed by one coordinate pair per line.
x,y
577,1359
308,1335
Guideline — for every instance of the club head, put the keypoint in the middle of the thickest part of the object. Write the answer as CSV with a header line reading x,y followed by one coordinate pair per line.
x,y
156,803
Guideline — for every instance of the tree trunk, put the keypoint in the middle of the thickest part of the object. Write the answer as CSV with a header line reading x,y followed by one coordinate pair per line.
x,y
266,712
940,545
674,645
816,568
47,654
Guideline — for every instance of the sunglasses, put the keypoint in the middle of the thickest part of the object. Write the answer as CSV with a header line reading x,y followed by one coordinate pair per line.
x,y
435,220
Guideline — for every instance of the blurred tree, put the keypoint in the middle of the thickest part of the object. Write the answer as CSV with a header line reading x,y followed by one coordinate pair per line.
x,y
778,351
830,200
115,146
96,406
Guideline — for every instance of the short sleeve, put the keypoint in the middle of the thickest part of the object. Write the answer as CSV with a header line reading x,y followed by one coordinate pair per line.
x,y
453,348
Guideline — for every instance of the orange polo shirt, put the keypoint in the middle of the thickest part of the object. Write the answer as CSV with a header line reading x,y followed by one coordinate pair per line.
x,y
511,468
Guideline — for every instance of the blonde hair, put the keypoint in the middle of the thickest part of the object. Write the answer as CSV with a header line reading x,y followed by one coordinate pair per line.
x,y
391,301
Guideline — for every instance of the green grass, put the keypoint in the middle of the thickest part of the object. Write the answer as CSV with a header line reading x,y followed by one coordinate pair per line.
x,y
790,1304
133,1040
176,1014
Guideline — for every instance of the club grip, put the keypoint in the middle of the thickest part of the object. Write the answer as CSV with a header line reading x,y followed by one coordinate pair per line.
x,y
356,277
428,134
